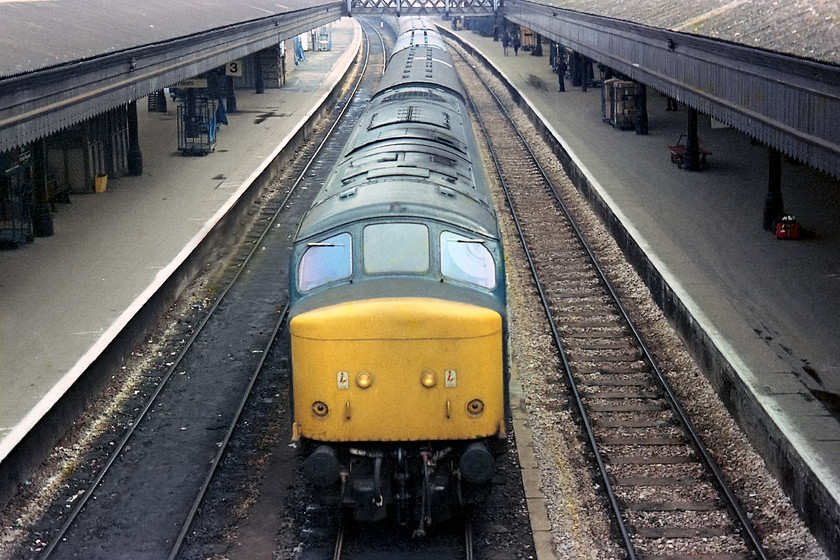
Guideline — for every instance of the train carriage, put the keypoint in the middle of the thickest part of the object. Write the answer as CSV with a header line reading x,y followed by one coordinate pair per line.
x,y
397,291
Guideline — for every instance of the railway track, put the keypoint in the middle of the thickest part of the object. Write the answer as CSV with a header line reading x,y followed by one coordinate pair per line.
x,y
447,545
668,497
169,453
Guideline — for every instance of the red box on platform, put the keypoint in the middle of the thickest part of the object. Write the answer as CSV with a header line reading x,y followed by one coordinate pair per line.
x,y
787,228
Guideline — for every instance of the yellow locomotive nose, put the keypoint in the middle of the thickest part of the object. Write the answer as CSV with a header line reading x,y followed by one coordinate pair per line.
x,y
453,349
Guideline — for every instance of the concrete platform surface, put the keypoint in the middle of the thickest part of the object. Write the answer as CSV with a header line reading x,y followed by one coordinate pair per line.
x,y
65,297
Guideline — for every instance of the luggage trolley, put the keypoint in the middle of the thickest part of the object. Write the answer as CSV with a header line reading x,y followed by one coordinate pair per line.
x,y
197,125
678,153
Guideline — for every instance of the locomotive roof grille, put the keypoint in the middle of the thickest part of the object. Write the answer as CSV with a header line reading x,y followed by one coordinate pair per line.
x,y
413,94
412,140
411,114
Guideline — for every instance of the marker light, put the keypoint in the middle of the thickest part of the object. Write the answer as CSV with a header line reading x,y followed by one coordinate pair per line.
x,y
475,406
428,379
320,408
364,380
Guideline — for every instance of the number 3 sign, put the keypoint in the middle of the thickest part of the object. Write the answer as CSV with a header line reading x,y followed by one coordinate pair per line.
x,y
234,68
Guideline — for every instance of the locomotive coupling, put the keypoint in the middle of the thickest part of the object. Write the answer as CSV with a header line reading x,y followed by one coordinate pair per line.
x,y
477,464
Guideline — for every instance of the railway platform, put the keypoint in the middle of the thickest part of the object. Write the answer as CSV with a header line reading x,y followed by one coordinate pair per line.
x,y
66,297
767,308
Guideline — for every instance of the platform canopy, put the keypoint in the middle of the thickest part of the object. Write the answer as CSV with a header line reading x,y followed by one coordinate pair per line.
x,y
63,62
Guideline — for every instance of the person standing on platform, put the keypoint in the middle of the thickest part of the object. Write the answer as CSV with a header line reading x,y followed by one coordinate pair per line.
x,y
516,45
561,71
505,43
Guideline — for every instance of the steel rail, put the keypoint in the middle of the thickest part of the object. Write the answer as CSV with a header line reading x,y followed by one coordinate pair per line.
x,y
82,501
339,541
178,544
625,535
695,439
223,445
469,552
468,537
381,44
176,549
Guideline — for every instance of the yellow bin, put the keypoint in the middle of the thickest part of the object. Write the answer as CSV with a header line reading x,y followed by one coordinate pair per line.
x,y
100,183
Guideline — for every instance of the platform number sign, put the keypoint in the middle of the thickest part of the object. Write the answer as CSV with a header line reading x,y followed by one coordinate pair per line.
x,y
234,68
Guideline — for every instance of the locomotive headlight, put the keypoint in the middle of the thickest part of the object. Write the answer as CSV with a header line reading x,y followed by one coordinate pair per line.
x,y
428,379
364,380
320,408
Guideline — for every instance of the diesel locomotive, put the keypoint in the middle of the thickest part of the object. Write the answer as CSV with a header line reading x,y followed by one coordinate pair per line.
x,y
397,304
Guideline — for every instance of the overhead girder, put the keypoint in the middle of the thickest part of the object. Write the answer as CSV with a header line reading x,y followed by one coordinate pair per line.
x,y
788,103
424,7
41,103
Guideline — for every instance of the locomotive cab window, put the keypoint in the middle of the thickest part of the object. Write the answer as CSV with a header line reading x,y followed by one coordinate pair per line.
x,y
466,260
326,261
396,248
